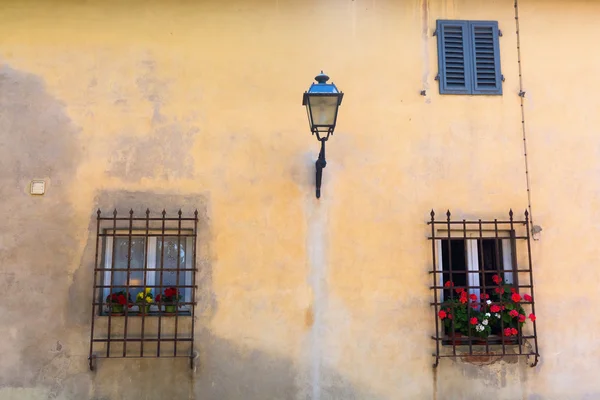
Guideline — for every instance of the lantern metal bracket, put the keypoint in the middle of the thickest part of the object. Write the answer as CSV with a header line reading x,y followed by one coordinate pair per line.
x,y
320,164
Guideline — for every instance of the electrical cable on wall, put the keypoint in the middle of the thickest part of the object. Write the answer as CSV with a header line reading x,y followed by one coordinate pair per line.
x,y
535,230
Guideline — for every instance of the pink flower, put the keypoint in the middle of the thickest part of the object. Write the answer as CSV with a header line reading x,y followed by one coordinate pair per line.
x,y
527,297
532,317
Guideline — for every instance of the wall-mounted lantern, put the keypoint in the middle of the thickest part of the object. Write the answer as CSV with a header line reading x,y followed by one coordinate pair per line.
x,y
322,101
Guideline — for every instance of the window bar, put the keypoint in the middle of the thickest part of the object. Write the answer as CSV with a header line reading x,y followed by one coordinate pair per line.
x,y
468,281
482,268
501,275
91,356
145,272
162,265
193,298
513,244
127,283
531,284
435,293
516,283
112,278
177,281
453,338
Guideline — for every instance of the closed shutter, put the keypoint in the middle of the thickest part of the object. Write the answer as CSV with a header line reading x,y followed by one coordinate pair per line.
x,y
485,57
453,57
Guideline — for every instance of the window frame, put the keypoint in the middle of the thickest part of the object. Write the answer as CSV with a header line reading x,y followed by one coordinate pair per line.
x,y
472,250
152,263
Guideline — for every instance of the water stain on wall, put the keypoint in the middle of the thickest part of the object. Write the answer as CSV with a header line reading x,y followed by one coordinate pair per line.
x,y
38,239
161,153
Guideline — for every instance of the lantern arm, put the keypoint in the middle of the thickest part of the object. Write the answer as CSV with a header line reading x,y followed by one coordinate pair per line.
x,y
320,164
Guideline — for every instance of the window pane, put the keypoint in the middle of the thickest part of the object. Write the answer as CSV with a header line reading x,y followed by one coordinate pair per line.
x,y
490,253
121,249
173,251
454,250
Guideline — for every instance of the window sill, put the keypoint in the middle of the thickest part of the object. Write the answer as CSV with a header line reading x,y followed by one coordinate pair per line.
x,y
152,314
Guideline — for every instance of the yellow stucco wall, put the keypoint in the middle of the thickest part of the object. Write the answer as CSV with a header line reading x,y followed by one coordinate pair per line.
x,y
203,98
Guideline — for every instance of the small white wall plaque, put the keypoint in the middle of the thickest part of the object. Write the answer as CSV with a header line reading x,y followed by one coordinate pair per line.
x,y
38,187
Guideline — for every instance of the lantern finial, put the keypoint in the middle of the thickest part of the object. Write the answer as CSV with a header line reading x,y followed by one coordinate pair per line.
x,y
322,78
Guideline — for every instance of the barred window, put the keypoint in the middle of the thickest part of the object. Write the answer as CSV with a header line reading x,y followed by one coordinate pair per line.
x,y
144,286
482,287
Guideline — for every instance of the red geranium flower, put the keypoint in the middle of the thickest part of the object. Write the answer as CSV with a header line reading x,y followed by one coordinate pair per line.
x,y
497,279
499,290
450,316
473,297
459,290
513,290
532,317
474,305
522,318
516,297
442,314
527,297
507,332
514,331
473,321
121,299
158,297
448,284
513,313
494,308
484,296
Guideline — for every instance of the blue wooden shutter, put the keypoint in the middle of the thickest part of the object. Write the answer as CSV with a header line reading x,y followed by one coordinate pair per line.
x,y
485,60
454,57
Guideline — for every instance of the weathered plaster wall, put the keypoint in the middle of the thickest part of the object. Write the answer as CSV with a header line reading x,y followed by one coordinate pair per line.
x,y
197,105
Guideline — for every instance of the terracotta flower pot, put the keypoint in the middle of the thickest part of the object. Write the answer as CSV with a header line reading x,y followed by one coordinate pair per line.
x,y
456,339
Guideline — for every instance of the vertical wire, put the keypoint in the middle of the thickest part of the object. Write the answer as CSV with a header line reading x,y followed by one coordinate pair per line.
x,y
523,125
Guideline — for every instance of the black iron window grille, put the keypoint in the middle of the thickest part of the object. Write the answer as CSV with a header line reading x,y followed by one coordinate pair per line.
x,y
144,286
482,284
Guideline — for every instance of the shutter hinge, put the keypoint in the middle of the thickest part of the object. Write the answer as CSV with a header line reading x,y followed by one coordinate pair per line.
x,y
435,32
499,33
522,94
437,77
502,77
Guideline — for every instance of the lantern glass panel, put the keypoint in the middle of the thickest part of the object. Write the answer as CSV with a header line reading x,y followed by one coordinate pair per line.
x,y
322,110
